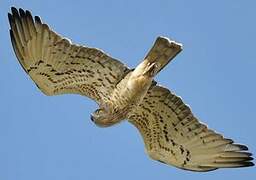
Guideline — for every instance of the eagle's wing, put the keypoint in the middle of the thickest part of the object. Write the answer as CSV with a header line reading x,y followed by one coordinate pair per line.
x,y
56,65
173,135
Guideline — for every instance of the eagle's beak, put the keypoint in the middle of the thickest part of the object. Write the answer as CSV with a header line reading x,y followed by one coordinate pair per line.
x,y
92,118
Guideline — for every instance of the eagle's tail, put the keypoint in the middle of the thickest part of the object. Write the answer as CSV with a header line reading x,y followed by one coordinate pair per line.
x,y
162,52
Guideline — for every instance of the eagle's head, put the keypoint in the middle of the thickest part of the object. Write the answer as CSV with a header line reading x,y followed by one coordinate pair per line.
x,y
102,118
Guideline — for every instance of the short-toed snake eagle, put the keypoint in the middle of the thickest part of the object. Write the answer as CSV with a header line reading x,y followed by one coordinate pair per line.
x,y
172,134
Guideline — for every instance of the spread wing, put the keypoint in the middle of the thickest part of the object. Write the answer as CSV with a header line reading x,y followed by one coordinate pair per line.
x,y
173,135
56,65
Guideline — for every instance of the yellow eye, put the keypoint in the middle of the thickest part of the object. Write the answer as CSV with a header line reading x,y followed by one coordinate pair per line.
x,y
99,110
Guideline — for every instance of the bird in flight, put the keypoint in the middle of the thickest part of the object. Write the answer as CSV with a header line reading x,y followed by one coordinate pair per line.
x,y
171,133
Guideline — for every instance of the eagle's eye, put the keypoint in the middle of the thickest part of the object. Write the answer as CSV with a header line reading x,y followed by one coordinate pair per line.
x,y
99,112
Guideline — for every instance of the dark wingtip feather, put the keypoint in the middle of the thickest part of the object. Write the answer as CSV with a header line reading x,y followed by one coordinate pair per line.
x,y
16,51
242,147
12,39
11,34
13,9
247,153
29,15
230,140
38,20
15,12
247,164
243,164
10,18
22,12
249,159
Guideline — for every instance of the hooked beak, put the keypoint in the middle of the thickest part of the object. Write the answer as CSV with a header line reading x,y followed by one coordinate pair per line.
x,y
92,118
100,123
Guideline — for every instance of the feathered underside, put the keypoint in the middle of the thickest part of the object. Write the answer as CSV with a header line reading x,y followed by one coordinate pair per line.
x,y
173,136
171,133
56,65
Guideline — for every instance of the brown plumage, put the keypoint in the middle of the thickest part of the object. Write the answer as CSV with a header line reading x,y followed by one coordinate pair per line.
x,y
171,133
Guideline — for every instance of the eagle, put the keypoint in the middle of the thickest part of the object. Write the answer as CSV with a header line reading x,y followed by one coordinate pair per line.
x,y
171,133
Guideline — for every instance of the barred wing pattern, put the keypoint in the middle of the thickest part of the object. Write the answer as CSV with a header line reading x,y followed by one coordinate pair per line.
x,y
56,65
173,135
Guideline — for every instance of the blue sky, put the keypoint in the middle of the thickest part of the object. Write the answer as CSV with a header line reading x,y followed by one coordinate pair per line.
x,y
53,138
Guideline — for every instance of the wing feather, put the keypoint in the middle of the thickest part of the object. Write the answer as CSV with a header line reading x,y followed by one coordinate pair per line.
x,y
56,65
173,135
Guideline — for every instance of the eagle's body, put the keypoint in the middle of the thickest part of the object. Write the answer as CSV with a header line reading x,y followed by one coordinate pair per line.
x,y
171,133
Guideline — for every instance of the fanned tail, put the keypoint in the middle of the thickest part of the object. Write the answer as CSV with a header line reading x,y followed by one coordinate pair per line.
x,y
162,52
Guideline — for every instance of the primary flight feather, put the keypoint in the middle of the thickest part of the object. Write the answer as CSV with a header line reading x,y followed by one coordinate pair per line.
x,y
171,133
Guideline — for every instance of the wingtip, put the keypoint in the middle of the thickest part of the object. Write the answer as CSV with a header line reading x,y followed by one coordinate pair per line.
x,y
38,20
242,147
13,8
247,164
14,11
22,12
252,164
10,17
11,33
19,12
250,158
28,13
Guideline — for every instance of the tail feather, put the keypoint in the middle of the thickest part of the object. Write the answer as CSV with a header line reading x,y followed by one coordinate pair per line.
x,y
162,52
